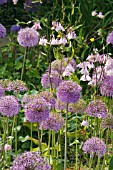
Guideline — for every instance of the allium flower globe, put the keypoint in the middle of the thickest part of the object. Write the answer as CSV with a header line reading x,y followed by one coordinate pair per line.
x,y
2,31
9,106
97,108
53,79
30,161
28,37
106,87
110,38
55,122
27,98
68,91
107,122
37,110
93,146
15,28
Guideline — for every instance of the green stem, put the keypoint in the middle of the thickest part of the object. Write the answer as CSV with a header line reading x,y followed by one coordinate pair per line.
x,y
23,66
66,126
98,164
31,136
16,135
54,151
49,141
40,146
76,146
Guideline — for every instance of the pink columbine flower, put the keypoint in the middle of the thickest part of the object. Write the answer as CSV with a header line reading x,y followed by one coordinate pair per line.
x,y
7,147
43,41
37,26
100,15
71,34
57,26
85,123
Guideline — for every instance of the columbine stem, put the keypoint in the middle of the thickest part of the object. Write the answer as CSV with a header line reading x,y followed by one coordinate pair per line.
x,y
66,125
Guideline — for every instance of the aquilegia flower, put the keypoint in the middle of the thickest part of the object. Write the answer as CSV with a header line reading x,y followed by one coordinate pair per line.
x,y
9,106
97,108
68,91
27,37
37,110
50,80
55,122
106,87
93,146
15,28
49,98
2,31
110,38
3,2
30,161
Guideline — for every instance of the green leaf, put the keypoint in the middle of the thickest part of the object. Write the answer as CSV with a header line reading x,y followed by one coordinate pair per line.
x,y
23,139
111,164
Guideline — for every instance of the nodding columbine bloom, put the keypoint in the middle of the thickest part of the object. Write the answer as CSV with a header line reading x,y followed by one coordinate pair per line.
x,y
97,108
9,106
93,146
68,91
57,26
55,122
15,28
85,123
7,147
14,2
109,67
2,31
37,26
107,122
37,110
17,86
71,34
28,37
30,161
110,38
43,41
106,86
48,97
3,2
50,80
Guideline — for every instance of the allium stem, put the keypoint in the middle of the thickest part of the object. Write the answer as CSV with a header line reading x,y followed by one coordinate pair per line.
x,y
31,135
98,164
53,149
39,137
49,141
76,145
16,135
23,66
66,125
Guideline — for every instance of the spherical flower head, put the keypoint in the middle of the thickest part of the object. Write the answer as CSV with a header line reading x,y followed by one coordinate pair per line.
x,y
106,86
1,91
55,122
4,84
30,160
28,37
27,98
60,105
9,106
3,2
48,97
37,110
97,108
78,107
93,146
110,38
107,122
15,28
17,86
2,31
51,80
68,92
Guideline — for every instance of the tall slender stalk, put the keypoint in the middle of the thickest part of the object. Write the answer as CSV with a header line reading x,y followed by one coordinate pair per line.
x,y
40,146
31,135
49,141
66,125
16,135
23,66
76,145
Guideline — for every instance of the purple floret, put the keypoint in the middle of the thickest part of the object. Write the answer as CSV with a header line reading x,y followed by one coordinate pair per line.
x,y
110,38
9,106
2,31
3,2
68,92
15,28
37,110
93,146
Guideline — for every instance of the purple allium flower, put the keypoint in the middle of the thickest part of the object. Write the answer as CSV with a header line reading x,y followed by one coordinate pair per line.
x,y
17,86
30,161
9,106
15,28
2,31
68,92
53,79
55,122
107,122
106,87
37,110
60,105
78,107
1,91
27,98
49,98
4,84
27,37
3,2
97,108
93,146
110,38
